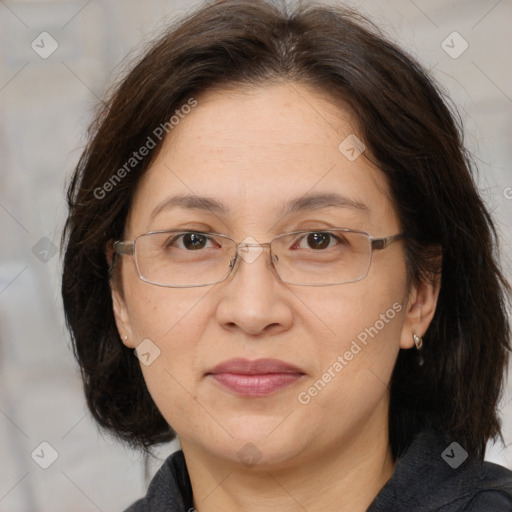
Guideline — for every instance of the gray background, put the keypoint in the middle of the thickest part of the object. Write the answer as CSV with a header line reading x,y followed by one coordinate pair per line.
x,y
45,107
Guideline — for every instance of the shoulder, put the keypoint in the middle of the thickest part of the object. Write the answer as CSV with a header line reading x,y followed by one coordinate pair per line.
x,y
490,501
493,489
435,474
138,506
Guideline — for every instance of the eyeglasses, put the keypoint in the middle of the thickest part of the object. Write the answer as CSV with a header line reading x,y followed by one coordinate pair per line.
x,y
183,259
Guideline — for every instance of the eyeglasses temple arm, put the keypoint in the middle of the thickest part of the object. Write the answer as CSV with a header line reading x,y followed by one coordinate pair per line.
x,y
123,247
382,243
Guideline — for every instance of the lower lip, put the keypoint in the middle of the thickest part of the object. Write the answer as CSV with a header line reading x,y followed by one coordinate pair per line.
x,y
256,385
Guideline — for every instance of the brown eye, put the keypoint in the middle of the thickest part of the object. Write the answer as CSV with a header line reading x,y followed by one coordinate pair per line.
x,y
194,241
190,241
318,240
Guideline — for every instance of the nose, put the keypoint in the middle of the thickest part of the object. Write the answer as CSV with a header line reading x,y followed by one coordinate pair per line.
x,y
253,299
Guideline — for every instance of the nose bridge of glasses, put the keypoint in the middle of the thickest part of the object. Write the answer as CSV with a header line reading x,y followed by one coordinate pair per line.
x,y
258,247
244,252
249,242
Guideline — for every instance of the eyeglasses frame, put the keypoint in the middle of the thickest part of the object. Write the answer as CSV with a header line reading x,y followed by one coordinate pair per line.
x,y
124,248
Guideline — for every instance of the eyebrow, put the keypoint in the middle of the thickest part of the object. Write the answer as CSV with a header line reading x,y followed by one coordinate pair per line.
x,y
303,203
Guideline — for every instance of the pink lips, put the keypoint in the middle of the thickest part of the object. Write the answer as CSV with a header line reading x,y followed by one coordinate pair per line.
x,y
255,378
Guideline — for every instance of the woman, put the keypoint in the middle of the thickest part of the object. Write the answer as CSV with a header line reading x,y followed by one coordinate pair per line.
x,y
276,215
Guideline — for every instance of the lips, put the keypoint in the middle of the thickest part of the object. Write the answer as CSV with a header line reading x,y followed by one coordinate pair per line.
x,y
260,377
256,367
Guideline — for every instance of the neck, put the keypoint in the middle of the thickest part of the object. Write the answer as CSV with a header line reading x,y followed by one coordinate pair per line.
x,y
343,476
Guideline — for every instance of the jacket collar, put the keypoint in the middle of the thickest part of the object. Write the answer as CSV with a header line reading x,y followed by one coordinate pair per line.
x,y
431,475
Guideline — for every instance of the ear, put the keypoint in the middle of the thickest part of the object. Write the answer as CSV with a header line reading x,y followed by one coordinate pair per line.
x,y
420,309
121,313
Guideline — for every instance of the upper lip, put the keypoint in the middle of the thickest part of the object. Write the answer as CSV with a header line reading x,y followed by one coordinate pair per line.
x,y
255,367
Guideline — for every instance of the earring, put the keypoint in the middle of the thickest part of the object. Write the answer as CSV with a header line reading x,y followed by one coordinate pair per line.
x,y
125,338
418,341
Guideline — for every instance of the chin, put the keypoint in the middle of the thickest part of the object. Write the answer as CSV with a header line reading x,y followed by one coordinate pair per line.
x,y
258,444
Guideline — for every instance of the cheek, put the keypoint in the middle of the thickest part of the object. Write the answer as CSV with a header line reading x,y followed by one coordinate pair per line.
x,y
353,372
368,309
167,323
157,312
364,336
355,360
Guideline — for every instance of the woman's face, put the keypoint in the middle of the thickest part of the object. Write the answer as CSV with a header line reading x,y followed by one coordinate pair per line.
x,y
255,151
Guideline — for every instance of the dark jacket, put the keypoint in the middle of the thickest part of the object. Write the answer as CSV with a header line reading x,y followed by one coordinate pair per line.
x,y
433,475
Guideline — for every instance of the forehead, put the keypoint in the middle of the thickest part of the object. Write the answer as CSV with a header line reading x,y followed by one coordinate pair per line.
x,y
256,151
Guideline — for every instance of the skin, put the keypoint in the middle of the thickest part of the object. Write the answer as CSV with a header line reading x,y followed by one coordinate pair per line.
x,y
252,149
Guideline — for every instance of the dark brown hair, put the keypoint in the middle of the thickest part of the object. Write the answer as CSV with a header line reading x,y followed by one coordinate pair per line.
x,y
409,133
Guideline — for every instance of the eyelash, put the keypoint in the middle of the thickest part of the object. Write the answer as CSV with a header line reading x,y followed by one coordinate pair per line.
x,y
299,239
